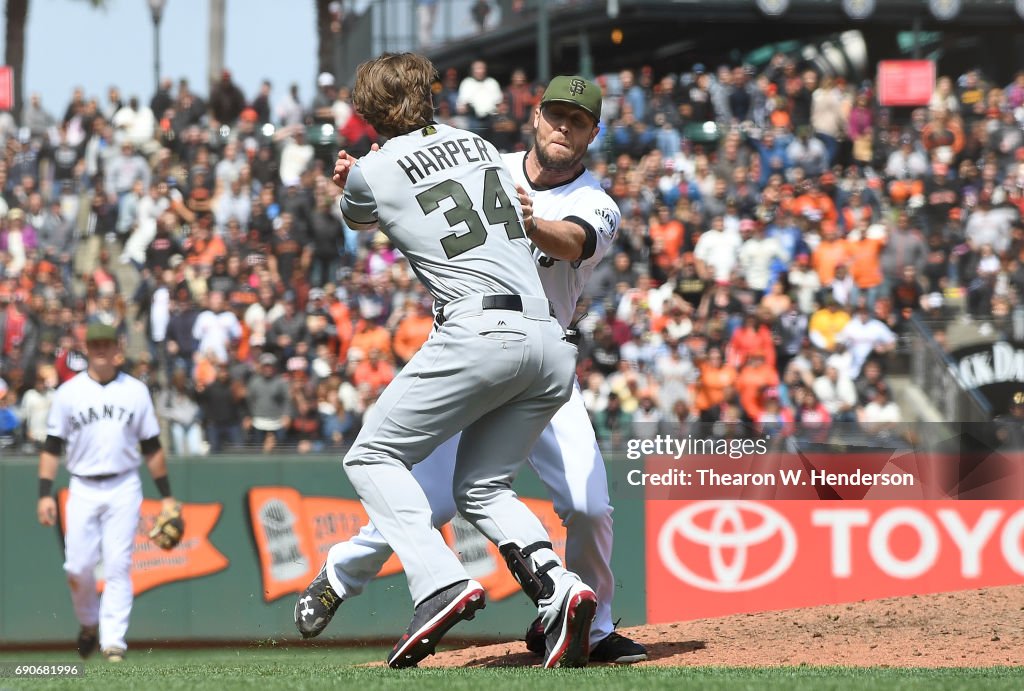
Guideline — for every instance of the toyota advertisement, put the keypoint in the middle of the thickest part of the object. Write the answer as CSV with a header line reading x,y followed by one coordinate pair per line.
x,y
716,557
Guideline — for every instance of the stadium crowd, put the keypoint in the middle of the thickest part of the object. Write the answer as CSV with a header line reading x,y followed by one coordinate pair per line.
x,y
779,230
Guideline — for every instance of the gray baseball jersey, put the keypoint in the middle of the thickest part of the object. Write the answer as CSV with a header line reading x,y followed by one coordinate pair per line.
x,y
444,198
497,373
582,201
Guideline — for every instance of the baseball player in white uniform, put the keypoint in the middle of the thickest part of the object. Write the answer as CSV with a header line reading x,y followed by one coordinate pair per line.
x,y
102,417
575,224
497,369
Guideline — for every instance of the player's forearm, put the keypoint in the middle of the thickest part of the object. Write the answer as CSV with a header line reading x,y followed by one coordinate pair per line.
x,y
48,463
557,239
156,461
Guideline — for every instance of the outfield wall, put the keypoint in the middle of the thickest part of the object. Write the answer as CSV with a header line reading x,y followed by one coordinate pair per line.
x,y
258,529
217,586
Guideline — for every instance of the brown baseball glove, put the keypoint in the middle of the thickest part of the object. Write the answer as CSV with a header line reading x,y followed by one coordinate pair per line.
x,y
168,529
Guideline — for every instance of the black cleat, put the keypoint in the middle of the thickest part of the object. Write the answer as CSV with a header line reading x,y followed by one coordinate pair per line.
x,y
433,618
316,606
618,649
535,638
88,640
568,640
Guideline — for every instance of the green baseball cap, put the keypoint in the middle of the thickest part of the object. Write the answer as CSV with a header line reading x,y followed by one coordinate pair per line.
x,y
577,91
100,332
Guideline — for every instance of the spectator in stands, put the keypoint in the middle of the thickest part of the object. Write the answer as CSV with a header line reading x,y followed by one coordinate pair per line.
x,y
479,96
268,403
837,393
177,405
222,403
613,424
754,377
413,330
864,336
226,100
881,417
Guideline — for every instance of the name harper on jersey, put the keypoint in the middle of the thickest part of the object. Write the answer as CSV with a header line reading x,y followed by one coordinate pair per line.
x,y
419,165
88,416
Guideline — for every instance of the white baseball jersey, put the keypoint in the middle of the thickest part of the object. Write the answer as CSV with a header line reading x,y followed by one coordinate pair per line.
x,y
102,424
444,193
582,201
215,331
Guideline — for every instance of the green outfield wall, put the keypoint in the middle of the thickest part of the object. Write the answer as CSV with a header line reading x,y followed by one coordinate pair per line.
x,y
35,606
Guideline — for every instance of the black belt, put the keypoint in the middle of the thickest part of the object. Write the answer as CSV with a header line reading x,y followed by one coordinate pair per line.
x,y
512,303
107,476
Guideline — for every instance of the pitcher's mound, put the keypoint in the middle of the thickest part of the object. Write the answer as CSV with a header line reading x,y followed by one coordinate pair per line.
x,y
975,628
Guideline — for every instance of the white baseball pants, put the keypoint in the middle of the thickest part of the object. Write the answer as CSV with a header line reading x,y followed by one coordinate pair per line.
x,y
102,517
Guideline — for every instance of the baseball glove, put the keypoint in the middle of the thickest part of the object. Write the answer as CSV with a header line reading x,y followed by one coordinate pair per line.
x,y
168,529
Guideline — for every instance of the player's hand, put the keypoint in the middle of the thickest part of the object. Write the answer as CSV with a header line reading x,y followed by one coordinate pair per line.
x,y
167,504
46,510
342,166
526,201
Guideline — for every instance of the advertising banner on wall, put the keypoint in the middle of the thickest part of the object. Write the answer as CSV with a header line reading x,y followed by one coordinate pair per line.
x,y
711,558
293,534
195,556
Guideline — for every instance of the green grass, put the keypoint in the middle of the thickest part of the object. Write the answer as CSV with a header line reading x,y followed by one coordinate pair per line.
x,y
269,667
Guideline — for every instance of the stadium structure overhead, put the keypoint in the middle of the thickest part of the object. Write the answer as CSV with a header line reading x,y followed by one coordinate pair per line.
x,y
600,36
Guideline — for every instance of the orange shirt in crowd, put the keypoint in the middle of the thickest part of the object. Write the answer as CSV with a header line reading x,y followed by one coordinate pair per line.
x,y
749,383
412,332
818,202
202,253
671,235
746,341
205,371
377,374
852,216
341,315
827,256
866,262
368,336
713,383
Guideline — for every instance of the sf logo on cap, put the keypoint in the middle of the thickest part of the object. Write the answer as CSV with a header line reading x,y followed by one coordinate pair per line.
x,y
576,87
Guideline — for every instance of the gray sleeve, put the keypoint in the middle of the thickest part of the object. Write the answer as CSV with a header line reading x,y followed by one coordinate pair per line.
x,y
357,204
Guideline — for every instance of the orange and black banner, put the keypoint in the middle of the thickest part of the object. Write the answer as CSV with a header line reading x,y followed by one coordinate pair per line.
x,y
293,534
195,556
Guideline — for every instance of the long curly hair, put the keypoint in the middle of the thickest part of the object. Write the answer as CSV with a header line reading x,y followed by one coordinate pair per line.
x,y
393,92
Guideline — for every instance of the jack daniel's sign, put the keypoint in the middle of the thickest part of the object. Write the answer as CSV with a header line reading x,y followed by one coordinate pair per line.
x,y
995,370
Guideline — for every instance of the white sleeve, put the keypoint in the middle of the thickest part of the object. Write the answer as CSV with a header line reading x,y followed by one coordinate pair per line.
x,y
599,216
358,206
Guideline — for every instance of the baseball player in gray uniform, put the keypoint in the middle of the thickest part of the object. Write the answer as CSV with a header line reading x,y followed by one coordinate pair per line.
x,y
497,369
553,184
102,417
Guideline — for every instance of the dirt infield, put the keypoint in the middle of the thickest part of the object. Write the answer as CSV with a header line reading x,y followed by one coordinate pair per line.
x,y
977,628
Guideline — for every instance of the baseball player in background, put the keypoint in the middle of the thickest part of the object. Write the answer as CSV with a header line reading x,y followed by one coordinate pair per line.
x,y
571,223
497,369
101,417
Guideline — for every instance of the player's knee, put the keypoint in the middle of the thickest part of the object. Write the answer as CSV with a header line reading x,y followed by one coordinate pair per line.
x,y
469,497
586,515
77,576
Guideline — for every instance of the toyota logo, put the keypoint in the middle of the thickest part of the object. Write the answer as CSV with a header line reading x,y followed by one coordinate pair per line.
x,y
728,535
